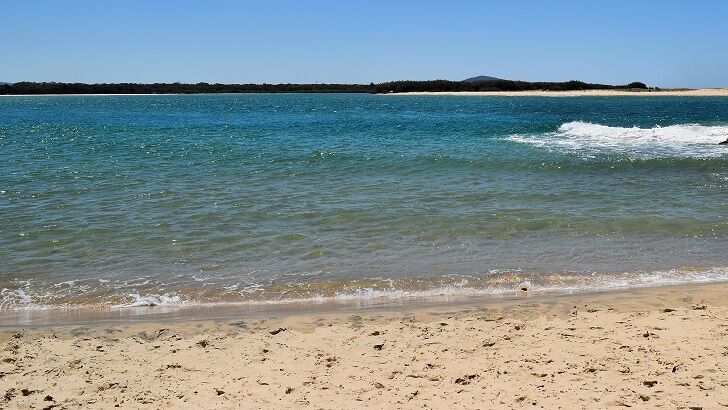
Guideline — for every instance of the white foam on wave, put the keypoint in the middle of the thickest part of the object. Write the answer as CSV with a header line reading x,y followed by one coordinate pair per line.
x,y
152,300
565,283
595,282
10,298
598,282
683,140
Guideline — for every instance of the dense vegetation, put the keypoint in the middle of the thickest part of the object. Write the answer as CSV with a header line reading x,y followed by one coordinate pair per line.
x,y
177,88
395,86
495,85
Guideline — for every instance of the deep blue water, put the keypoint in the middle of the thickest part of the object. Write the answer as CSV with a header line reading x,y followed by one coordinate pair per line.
x,y
108,200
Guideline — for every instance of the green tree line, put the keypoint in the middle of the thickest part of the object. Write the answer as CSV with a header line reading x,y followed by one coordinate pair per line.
x,y
34,88
497,85
176,88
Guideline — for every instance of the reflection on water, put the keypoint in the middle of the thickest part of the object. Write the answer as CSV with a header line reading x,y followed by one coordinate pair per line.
x,y
174,200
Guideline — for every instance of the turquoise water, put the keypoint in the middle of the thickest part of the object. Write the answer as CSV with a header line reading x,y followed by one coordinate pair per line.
x,y
128,200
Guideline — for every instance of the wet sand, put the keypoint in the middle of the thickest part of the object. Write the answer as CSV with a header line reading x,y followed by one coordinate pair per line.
x,y
661,347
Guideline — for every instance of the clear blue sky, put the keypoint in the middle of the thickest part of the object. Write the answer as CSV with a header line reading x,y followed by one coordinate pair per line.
x,y
661,42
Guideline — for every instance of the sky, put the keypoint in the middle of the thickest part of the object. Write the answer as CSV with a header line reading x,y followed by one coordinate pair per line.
x,y
664,43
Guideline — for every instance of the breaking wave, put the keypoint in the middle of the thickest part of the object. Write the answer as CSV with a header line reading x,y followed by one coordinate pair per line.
x,y
683,140
151,301
495,283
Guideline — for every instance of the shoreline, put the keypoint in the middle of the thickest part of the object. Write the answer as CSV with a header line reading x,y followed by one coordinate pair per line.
x,y
87,95
628,299
700,92
94,315
704,92
654,346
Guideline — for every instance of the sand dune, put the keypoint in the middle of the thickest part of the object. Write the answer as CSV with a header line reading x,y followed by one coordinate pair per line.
x,y
665,347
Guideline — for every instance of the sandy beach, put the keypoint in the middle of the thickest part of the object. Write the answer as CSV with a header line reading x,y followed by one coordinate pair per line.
x,y
705,92
661,347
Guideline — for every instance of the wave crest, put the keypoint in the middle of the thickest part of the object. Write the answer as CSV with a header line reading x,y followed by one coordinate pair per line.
x,y
682,140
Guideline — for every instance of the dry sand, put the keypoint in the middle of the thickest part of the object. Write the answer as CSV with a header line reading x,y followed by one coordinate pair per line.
x,y
705,92
663,347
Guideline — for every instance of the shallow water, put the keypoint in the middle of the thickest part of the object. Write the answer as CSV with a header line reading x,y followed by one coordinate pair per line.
x,y
181,199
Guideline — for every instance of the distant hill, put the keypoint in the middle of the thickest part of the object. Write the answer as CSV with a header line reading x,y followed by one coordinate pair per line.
x,y
480,78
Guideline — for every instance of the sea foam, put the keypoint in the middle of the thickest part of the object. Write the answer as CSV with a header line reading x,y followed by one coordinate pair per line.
x,y
683,140
151,301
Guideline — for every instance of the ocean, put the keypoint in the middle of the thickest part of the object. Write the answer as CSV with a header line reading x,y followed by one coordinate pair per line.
x,y
167,200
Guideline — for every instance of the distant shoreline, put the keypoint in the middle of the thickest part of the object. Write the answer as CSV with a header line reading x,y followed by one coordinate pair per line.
x,y
428,87
93,95
704,92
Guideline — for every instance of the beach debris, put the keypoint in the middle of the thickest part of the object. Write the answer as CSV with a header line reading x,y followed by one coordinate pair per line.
x,y
375,333
239,324
10,394
489,343
525,289
203,343
644,398
79,331
48,398
219,392
378,385
26,392
465,380
668,310
289,390
723,143
149,338
698,307
276,331
355,322
649,383
379,346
